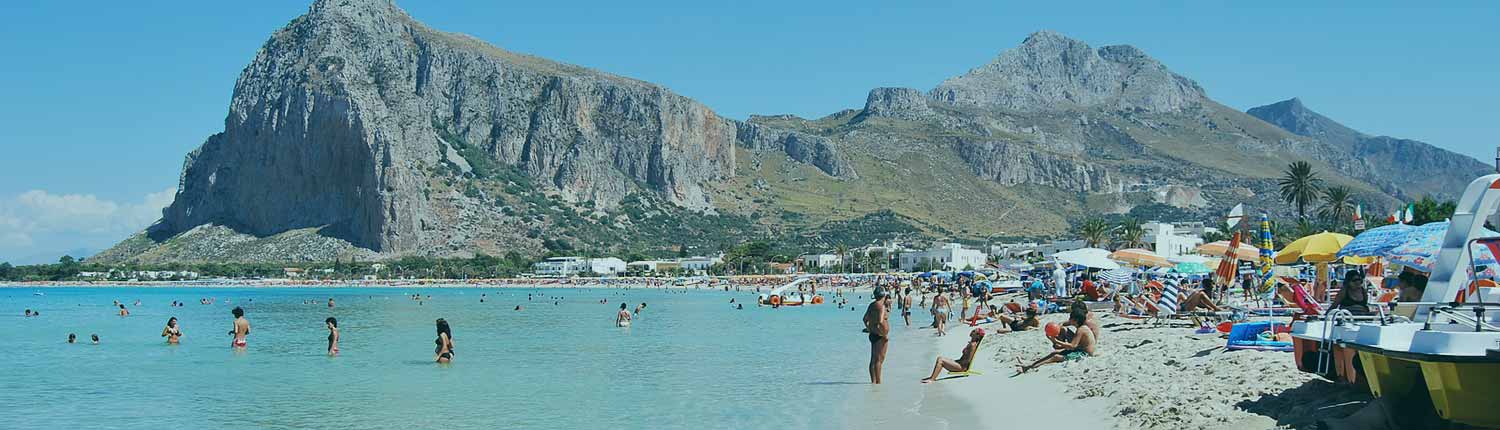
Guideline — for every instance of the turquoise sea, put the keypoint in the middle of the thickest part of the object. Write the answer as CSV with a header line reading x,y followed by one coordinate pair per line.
x,y
690,361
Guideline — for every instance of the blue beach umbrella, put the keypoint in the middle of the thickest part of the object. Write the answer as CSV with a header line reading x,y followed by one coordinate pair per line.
x,y
1420,250
1377,241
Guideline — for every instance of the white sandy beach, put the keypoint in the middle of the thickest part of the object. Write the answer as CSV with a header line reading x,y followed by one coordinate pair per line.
x,y
1144,377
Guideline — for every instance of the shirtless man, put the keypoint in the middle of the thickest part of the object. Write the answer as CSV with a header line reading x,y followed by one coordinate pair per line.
x,y
622,319
1079,346
964,361
878,325
241,328
906,307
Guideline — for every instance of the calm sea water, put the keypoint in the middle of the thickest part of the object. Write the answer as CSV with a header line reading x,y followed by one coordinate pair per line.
x,y
690,361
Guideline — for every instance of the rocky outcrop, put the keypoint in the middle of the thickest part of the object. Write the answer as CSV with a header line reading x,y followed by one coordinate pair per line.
x,y
1401,167
803,147
903,103
348,114
1012,164
1050,71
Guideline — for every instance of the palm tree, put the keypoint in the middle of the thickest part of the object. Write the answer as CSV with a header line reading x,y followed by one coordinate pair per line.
x,y
1094,231
1300,186
1338,205
1130,234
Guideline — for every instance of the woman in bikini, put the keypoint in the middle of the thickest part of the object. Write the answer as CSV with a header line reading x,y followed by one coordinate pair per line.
x,y
171,331
333,335
241,328
964,361
444,342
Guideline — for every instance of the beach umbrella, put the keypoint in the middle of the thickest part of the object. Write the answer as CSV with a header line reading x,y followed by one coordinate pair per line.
x,y
1377,241
1188,259
1318,248
1094,258
1120,276
1139,257
1219,249
1420,250
1190,268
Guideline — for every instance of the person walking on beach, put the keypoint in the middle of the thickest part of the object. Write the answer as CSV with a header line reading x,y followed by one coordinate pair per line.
x,y
444,350
241,328
333,335
622,318
965,359
941,309
906,307
171,331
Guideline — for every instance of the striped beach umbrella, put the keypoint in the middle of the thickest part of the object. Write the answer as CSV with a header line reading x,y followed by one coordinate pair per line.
x,y
1377,241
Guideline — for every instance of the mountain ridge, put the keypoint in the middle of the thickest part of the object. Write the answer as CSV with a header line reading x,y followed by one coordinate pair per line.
x,y
389,138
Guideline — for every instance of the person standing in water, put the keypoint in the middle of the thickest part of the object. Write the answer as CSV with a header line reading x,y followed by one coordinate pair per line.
x,y
642,307
940,313
622,319
171,331
72,337
444,342
906,307
333,335
330,303
241,328
878,325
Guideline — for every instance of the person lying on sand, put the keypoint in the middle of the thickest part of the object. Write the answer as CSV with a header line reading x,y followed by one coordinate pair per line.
x,y
1009,323
965,359
1080,345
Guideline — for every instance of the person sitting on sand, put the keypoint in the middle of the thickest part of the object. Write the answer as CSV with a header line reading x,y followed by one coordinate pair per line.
x,y
1080,345
1089,319
622,318
965,360
171,331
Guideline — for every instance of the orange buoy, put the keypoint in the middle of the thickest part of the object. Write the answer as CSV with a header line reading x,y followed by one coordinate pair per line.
x,y
775,300
817,300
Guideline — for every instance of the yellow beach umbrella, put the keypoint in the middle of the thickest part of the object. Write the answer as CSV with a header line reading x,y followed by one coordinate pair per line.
x,y
1140,257
1318,248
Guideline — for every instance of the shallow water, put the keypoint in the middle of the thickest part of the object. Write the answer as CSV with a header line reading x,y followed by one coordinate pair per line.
x,y
689,361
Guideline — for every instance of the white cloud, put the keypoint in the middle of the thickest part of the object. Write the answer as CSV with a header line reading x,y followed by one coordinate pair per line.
x,y
81,218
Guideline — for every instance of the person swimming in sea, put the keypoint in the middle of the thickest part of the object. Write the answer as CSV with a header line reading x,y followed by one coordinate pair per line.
x,y
72,337
444,350
330,303
241,328
171,331
622,318
333,335
94,337
123,312
965,359
640,308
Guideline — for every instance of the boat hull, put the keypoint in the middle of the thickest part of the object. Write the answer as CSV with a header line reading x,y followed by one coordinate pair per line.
x,y
1464,392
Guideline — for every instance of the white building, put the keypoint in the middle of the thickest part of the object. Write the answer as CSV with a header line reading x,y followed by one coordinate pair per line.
x,y
951,256
561,266
1169,241
699,263
643,266
819,260
608,266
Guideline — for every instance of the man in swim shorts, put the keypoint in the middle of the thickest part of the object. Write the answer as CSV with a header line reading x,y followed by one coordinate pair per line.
x,y
906,307
878,325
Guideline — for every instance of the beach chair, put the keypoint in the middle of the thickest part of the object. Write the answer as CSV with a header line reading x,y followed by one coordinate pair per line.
x,y
1302,298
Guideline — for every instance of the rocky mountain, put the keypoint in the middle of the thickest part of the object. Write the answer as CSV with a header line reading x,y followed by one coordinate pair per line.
x,y
358,132
1398,166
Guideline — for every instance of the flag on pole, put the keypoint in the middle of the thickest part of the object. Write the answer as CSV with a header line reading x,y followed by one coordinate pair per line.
x,y
1359,217
1409,209
1235,215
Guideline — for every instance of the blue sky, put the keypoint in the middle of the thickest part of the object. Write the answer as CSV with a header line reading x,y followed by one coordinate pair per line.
x,y
103,99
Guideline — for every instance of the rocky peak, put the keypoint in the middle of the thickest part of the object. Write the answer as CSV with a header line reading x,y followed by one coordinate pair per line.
x,y
1050,71
904,103
1291,115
